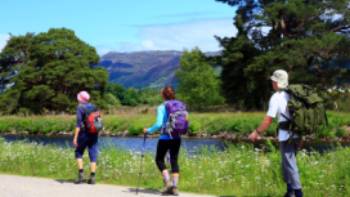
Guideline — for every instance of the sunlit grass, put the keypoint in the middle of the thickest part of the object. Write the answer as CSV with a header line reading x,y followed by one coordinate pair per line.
x,y
239,170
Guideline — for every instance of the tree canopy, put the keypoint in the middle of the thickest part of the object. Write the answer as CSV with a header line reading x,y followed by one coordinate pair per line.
x,y
307,38
46,71
198,85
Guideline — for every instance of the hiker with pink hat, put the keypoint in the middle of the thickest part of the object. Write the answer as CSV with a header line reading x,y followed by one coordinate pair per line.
x,y
83,138
83,97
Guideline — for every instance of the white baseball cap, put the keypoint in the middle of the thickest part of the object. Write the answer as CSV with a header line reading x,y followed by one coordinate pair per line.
x,y
281,77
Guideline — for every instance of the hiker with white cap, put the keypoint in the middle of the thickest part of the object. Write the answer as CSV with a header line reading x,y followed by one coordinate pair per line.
x,y
287,140
83,138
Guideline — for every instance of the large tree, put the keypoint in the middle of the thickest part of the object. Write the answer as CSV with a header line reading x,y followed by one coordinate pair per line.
x,y
46,71
198,85
308,38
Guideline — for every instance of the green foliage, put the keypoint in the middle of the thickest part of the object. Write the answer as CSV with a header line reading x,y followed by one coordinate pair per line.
x,y
131,97
198,86
9,101
304,38
134,97
151,97
52,67
108,102
238,88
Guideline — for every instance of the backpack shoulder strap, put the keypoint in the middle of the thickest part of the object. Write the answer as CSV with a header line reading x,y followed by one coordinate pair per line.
x,y
166,103
289,92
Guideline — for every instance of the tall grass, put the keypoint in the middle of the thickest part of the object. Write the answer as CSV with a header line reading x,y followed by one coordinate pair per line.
x,y
200,123
239,171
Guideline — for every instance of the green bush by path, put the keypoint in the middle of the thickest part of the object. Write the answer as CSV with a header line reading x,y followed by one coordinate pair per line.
x,y
200,123
238,171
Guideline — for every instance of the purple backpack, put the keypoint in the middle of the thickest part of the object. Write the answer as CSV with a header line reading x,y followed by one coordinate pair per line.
x,y
177,123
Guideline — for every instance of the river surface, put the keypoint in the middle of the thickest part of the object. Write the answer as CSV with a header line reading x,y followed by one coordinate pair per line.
x,y
133,144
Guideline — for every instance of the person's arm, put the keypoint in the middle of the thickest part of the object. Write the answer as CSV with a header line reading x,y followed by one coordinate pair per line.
x,y
78,126
264,125
159,122
266,122
76,134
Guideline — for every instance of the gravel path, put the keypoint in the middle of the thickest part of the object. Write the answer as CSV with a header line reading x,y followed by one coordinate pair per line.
x,y
19,186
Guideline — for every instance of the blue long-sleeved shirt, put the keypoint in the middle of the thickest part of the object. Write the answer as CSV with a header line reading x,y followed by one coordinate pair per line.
x,y
162,117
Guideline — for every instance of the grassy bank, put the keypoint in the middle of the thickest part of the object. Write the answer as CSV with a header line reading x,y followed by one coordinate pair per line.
x,y
237,171
132,124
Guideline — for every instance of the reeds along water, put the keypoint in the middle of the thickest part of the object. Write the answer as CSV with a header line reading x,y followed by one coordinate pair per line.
x,y
201,124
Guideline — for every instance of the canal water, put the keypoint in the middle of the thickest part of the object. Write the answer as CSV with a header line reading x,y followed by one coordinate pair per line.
x,y
133,144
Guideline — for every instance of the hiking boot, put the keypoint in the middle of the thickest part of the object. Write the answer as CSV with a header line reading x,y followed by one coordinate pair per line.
x,y
166,191
92,180
174,191
289,194
80,179
170,191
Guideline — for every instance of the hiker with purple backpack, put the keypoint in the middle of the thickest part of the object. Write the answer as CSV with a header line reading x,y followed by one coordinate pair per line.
x,y
172,121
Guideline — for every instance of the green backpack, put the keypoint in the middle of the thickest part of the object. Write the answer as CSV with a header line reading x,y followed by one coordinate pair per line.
x,y
307,109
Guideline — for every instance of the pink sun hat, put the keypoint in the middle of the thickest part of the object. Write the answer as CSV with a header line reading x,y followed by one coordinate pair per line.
x,y
83,97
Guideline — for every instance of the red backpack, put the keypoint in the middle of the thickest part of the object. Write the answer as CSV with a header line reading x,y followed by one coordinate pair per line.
x,y
92,120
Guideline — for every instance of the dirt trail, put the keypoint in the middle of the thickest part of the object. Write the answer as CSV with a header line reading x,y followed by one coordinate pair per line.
x,y
19,186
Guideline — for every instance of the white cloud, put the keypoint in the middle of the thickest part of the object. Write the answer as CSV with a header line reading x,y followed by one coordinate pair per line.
x,y
3,40
148,45
181,36
119,47
265,30
332,16
188,35
102,49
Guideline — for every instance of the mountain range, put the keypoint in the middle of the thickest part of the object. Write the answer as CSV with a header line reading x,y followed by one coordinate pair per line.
x,y
142,69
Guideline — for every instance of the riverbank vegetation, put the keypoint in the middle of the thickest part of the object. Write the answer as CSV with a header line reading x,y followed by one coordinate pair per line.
x,y
238,171
225,125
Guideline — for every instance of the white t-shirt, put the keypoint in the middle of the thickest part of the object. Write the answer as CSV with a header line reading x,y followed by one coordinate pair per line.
x,y
277,105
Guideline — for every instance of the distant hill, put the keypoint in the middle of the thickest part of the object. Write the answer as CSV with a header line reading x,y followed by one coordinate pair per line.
x,y
143,69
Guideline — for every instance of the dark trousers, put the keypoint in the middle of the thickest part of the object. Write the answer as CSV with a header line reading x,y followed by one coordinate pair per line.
x,y
90,142
173,146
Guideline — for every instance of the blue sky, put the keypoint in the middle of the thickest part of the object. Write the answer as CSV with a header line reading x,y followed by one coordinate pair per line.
x,y
123,25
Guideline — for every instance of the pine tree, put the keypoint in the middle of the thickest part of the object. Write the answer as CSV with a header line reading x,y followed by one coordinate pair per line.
x,y
305,37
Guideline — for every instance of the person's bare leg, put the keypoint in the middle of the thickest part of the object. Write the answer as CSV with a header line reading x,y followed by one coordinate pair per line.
x,y
166,181
81,171
80,163
93,167
175,181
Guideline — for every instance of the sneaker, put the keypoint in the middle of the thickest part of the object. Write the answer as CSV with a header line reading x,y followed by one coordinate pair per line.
x,y
92,180
80,179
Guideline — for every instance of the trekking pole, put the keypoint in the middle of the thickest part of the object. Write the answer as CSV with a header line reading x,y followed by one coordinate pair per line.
x,y
141,163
